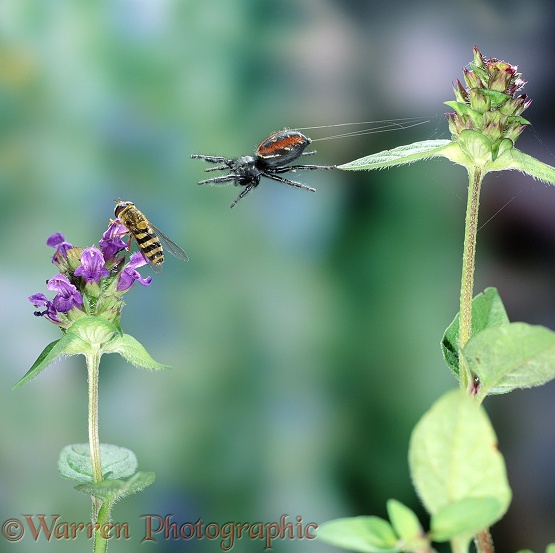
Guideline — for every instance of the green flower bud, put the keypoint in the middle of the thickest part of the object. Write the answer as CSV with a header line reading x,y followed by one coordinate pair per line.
x,y
488,104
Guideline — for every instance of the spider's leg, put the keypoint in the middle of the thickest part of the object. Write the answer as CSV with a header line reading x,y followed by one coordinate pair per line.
x,y
243,193
221,179
212,159
218,168
301,167
273,176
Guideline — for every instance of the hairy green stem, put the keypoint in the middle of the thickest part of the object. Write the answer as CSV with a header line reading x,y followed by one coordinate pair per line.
x,y
467,281
100,515
93,365
483,541
101,535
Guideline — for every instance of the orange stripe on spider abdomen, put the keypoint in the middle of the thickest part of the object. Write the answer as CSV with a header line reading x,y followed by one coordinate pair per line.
x,y
283,146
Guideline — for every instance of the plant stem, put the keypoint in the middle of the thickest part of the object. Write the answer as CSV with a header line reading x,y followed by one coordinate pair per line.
x,y
469,261
483,541
93,365
100,515
100,541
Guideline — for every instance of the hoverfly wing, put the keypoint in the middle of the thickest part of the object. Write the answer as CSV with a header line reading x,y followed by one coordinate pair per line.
x,y
169,245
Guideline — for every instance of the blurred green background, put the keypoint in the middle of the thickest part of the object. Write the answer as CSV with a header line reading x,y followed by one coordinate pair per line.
x,y
304,332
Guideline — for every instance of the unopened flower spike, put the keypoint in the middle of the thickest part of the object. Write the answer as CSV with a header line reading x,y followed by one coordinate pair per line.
x,y
485,124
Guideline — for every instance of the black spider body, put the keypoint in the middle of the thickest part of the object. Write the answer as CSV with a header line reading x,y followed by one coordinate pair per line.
x,y
270,160
248,169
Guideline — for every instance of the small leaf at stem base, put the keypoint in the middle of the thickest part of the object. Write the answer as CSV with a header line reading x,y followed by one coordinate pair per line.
x,y
111,490
75,462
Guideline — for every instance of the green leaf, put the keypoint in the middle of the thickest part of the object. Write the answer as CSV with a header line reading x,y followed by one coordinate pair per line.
x,y
83,335
514,355
75,462
404,521
131,350
398,156
453,455
364,534
66,345
467,516
110,490
519,161
487,311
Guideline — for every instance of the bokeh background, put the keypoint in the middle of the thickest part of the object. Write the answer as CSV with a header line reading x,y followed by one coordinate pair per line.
x,y
304,332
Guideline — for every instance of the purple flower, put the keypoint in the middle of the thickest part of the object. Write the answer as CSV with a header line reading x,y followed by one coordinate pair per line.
x,y
129,273
40,300
58,241
67,297
111,242
92,266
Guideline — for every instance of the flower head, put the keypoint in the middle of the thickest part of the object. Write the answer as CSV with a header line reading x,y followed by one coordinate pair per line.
x,y
91,281
488,104
88,303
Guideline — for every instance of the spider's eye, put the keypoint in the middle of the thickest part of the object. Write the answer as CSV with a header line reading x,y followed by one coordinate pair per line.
x,y
282,147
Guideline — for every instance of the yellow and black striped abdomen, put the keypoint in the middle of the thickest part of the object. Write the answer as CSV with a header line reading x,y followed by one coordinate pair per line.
x,y
139,227
149,243
146,238
150,239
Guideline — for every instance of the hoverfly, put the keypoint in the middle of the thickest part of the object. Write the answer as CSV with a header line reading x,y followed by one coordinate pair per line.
x,y
150,240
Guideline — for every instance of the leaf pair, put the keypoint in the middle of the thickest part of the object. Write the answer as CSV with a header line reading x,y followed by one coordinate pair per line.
x,y
90,335
470,150
369,534
503,355
118,464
